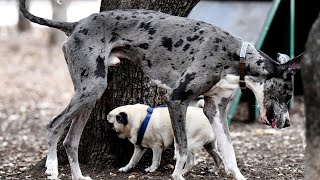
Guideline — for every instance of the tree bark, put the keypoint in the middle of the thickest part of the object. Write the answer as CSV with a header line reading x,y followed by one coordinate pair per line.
x,y
311,84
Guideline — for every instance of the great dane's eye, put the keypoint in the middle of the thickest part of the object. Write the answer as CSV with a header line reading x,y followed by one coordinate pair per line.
x,y
288,98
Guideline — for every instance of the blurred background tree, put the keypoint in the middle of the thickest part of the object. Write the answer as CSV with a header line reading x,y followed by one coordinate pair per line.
x,y
311,83
23,23
59,13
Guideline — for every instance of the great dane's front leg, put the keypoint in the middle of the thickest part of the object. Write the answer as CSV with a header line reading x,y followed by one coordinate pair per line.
x,y
71,143
137,154
177,112
215,109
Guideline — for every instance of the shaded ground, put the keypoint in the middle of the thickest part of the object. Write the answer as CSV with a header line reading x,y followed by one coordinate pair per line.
x,y
35,86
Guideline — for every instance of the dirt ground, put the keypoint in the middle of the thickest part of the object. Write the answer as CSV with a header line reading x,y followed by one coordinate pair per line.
x,y
35,86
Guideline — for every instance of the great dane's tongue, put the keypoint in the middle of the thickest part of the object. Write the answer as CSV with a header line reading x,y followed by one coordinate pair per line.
x,y
273,123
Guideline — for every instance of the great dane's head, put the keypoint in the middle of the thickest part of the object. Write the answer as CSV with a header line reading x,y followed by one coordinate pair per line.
x,y
274,89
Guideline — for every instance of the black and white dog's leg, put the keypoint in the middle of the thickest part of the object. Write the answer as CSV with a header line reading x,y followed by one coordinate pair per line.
x,y
178,100
177,112
71,142
215,108
175,149
54,131
57,126
83,102
88,70
137,154
156,158
89,86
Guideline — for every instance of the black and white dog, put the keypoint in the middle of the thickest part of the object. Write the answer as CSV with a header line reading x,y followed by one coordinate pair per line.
x,y
187,57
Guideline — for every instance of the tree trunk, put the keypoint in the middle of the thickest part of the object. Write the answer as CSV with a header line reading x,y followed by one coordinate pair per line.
x,y
59,13
23,23
311,83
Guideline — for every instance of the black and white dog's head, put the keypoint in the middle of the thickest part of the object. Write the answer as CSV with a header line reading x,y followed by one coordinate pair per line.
x,y
274,90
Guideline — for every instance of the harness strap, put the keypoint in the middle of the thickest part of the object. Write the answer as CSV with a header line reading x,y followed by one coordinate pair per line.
x,y
242,65
145,123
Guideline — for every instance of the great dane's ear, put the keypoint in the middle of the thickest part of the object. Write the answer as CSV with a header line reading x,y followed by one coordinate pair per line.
x,y
122,118
291,66
282,58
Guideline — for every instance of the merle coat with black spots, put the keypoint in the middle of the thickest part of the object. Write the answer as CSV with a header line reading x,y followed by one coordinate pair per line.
x,y
187,57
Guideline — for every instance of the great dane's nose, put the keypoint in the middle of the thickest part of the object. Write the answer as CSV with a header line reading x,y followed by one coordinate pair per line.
x,y
286,123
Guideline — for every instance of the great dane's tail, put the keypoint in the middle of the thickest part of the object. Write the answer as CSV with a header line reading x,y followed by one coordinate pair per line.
x,y
66,27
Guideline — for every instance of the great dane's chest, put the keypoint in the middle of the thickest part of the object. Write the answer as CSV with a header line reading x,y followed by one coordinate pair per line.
x,y
224,88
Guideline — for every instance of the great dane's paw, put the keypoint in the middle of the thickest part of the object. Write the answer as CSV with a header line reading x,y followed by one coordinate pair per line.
x,y
52,169
236,174
151,169
84,178
52,174
176,176
214,169
184,172
240,177
124,169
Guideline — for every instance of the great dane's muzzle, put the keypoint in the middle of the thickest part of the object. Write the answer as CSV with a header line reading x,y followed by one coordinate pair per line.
x,y
272,118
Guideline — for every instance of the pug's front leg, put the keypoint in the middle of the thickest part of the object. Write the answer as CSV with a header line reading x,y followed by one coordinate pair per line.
x,y
156,158
137,154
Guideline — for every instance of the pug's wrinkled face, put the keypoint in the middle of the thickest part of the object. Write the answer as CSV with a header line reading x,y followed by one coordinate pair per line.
x,y
119,121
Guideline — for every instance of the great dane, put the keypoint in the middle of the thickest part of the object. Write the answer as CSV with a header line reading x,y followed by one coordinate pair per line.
x,y
187,57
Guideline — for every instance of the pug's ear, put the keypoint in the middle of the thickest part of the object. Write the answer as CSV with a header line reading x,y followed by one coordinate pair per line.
x,y
122,118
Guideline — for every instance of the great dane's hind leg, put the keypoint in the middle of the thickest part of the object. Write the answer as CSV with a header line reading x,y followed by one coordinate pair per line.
x,y
71,143
215,108
54,130
57,126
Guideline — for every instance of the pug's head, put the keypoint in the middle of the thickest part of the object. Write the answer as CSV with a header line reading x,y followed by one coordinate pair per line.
x,y
119,120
